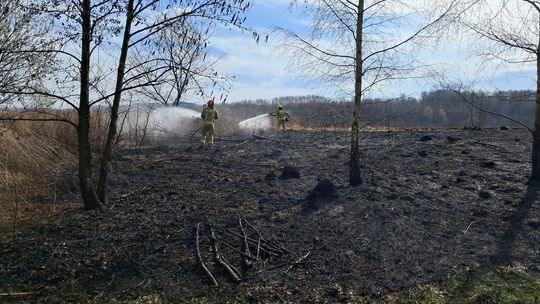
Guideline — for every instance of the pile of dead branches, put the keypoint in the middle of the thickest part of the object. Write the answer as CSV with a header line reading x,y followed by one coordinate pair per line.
x,y
242,254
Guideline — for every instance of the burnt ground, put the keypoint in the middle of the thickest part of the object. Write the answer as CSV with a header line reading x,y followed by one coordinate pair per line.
x,y
432,204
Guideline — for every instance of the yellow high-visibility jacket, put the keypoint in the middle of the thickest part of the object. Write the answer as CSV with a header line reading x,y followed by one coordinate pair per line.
x,y
282,114
209,116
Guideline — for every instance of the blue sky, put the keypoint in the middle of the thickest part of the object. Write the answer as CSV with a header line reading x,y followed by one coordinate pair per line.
x,y
262,72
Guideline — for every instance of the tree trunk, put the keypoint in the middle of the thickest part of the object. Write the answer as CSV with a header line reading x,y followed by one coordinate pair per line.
x,y
355,179
113,125
90,199
89,196
535,174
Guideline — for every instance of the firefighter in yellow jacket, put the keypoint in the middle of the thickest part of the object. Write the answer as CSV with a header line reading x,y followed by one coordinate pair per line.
x,y
209,116
282,116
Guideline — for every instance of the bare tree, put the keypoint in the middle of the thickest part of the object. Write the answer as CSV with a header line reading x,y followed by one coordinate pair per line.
x,y
85,32
192,72
358,45
508,32
478,116
478,102
21,68
143,30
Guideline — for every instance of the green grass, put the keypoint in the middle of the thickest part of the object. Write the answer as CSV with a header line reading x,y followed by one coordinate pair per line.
x,y
481,285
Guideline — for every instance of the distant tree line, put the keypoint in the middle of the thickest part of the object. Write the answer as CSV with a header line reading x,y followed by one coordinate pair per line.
x,y
442,108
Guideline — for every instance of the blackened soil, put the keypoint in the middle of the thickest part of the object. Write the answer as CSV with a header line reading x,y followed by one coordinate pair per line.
x,y
427,209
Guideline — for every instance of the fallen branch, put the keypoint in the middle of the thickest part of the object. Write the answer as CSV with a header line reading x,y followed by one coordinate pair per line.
x,y
133,192
265,248
16,294
298,261
222,261
201,260
247,262
234,249
236,272
272,243
281,265
277,243
255,229
242,143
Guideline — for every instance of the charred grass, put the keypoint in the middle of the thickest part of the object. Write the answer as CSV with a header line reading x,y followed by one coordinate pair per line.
x,y
441,226
479,285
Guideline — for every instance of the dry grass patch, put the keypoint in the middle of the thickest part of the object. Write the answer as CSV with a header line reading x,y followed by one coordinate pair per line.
x,y
34,167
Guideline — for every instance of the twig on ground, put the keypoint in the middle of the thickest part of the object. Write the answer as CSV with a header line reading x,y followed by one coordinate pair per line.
x,y
16,294
234,249
271,243
242,143
112,280
277,243
236,272
254,229
466,230
222,261
298,261
133,192
247,262
267,249
201,260
281,265
258,248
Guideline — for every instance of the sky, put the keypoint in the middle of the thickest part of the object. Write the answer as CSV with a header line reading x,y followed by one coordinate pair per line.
x,y
261,71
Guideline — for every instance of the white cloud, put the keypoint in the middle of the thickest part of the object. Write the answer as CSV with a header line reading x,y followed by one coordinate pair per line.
x,y
245,57
261,72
